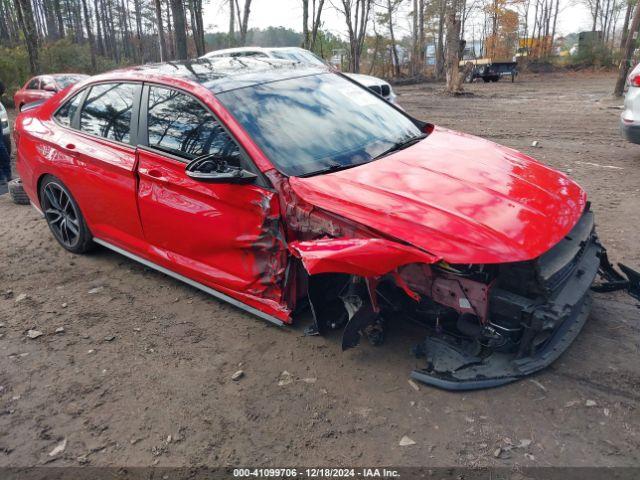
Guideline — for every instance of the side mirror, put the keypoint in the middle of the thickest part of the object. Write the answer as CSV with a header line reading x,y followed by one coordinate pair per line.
x,y
49,87
215,169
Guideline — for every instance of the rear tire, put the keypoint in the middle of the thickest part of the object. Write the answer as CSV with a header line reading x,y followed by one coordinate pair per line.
x,y
17,193
64,217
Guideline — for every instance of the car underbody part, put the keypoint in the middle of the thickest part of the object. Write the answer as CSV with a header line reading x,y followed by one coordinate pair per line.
x,y
486,325
628,280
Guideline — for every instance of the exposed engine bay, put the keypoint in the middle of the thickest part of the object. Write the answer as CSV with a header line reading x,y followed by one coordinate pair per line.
x,y
487,325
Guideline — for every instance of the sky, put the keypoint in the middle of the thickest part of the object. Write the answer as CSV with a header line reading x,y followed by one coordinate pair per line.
x,y
573,16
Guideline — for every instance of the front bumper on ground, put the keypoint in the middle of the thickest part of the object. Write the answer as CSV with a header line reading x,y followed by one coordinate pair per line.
x,y
561,314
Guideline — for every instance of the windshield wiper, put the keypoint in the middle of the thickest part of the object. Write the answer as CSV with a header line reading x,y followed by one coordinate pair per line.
x,y
334,167
402,145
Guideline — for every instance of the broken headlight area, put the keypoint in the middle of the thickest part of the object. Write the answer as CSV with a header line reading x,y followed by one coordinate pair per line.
x,y
486,325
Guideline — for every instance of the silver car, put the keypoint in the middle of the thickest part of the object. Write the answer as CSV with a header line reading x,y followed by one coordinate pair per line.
x,y
630,117
300,55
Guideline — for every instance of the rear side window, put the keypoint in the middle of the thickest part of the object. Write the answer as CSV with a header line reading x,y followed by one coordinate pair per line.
x,y
107,111
34,84
179,124
65,114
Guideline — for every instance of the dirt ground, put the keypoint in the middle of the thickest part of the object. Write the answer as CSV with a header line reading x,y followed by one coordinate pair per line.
x,y
141,374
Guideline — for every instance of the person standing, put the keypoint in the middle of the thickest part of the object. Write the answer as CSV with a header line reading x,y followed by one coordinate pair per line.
x,y
5,159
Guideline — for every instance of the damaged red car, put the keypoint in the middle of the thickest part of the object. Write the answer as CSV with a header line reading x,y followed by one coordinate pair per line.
x,y
286,189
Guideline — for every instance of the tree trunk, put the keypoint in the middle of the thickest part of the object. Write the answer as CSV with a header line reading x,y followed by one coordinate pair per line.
x,y
244,26
37,17
125,29
50,19
163,43
356,19
200,45
232,24
625,27
180,29
305,24
440,47
99,40
394,50
58,10
25,19
555,21
10,23
454,85
414,45
138,16
316,23
171,48
421,39
92,46
195,10
625,63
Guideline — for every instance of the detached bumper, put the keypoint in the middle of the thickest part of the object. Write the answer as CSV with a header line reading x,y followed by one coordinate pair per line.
x,y
562,316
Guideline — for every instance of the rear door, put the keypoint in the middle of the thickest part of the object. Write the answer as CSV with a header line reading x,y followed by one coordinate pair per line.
x,y
224,235
103,144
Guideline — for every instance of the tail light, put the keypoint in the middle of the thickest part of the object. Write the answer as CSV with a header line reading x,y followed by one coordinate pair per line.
x,y
634,79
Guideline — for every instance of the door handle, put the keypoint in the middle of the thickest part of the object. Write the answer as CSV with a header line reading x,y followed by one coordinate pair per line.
x,y
155,174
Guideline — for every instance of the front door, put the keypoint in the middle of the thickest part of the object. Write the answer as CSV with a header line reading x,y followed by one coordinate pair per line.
x,y
224,235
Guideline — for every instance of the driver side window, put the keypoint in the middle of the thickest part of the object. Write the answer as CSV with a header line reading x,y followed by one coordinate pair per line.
x,y
34,84
179,124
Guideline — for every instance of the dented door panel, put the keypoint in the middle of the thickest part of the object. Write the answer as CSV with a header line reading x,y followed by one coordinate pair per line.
x,y
226,236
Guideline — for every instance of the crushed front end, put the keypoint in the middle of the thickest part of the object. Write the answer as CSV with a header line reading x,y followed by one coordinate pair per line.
x,y
534,311
487,325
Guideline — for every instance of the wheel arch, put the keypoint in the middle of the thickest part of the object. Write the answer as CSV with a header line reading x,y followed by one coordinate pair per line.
x,y
39,185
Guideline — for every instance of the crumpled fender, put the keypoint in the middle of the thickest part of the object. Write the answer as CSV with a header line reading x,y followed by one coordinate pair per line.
x,y
365,257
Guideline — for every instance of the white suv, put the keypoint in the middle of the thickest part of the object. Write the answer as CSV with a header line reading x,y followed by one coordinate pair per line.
x,y
300,55
630,117
6,129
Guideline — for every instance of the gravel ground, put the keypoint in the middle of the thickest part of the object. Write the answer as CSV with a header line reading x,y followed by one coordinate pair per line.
x,y
141,374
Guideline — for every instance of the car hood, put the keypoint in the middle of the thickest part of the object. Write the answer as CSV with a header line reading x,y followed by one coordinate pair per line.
x,y
366,80
462,198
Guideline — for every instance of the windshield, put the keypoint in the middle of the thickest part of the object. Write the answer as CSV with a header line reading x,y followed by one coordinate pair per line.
x,y
65,80
300,56
311,124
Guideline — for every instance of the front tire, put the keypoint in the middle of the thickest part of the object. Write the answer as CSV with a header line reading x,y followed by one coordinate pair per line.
x,y
64,217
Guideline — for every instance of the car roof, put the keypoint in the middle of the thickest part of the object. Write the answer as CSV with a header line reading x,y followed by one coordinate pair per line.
x,y
56,75
228,51
217,74
266,50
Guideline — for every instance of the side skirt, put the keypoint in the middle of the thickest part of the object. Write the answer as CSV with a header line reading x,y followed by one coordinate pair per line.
x,y
193,283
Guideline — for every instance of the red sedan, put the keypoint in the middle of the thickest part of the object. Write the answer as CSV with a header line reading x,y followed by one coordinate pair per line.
x,y
286,189
44,87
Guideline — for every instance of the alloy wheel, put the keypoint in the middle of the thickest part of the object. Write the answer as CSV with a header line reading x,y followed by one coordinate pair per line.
x,y
61,214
